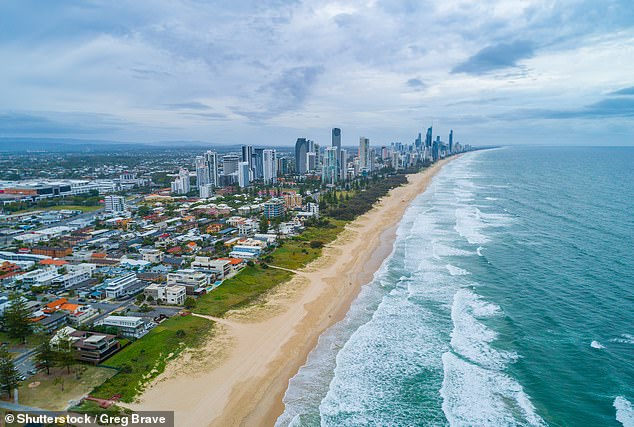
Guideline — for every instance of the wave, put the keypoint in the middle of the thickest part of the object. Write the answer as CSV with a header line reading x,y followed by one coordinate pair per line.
x,y
624,411
624,339
475,389
456,271
597,345
469,225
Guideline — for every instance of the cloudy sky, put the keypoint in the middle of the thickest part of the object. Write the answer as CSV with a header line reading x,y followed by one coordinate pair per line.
x,y
269,71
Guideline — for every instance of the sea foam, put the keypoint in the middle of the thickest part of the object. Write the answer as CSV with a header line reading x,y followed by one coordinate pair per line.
x,y
624,411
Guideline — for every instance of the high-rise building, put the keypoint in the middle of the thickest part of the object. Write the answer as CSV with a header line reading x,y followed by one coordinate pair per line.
x,y
258,163
342,164
329,170
115,204
181,184
206,191
302,147
207,169
247,153
364,154
269,166
451,141
311,161
244,174
336,138
230,164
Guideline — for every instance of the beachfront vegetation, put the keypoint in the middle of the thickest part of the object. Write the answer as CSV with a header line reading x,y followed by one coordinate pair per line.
x,y
361,201
45,391
298,251
146,358
240,290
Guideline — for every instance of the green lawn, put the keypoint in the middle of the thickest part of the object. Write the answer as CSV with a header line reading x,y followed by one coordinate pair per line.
x,y
252,282
297,252
145,359
49,395
240,290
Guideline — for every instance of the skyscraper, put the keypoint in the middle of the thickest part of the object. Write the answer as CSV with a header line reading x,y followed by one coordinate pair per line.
x,y
364,154
336,138
301,149
451,141
230,164
343,164
207,169
181,184
329,174
244,174
247,155
258,163
269,166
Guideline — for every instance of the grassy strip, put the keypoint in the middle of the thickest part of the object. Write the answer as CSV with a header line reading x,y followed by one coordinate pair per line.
x,y
55,396
297,252
240,290
145,359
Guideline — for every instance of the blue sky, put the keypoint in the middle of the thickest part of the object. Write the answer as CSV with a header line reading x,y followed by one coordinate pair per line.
x,y
269,71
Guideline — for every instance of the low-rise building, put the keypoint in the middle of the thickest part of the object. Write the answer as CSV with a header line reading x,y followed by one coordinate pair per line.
x,y
174,295
154,256
192,280
127,326
220,268
122,286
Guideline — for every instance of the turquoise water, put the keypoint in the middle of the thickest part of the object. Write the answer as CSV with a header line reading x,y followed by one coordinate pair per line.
x,y
508,300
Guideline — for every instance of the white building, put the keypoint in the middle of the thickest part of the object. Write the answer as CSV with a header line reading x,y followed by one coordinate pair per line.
x,y
244,174
189,278
269,163
206,191
174,295
115,204
121,286
181,184
127,326
154,256
364,155
220,268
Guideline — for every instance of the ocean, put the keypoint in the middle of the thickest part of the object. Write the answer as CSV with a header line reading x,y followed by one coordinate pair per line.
x,y
508,300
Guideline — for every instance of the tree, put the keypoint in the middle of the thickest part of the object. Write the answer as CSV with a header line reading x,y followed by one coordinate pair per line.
x,y
264,224
17,318
65,354
45,356
9,374
150,299
190,303
140,298
59,380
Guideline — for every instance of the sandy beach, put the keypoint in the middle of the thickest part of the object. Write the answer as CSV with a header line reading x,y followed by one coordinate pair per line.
x,y
241,374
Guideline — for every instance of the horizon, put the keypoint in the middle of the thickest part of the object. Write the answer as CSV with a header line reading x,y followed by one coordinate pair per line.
x,y
497,74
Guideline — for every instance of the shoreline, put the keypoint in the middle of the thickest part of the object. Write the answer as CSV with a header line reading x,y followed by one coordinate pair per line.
x,y
261,350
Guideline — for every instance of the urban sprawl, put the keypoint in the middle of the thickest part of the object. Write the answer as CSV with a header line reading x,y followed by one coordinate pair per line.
x,y
101,269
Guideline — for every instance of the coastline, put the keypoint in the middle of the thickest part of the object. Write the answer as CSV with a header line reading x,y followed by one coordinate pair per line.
x,y
261,349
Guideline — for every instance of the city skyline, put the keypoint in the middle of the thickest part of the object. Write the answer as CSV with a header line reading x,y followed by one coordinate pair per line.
x,y
504,73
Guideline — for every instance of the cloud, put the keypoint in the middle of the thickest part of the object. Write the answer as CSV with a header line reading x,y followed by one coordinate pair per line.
x,y
495,57
18,123
416,84
287,92
193,105
624,91
604,109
